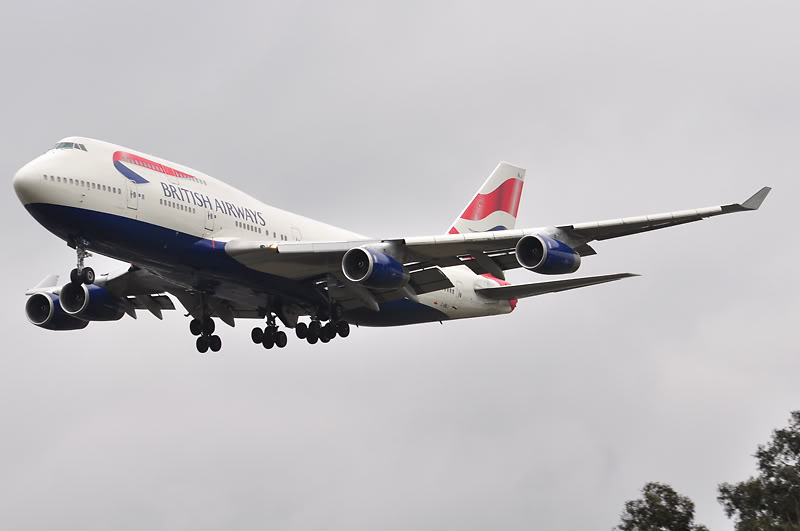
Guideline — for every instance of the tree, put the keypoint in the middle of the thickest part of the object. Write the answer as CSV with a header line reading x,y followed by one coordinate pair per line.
x,y
771,500
659,509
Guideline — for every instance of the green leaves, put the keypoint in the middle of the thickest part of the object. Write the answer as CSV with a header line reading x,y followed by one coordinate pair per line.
x,y
659,509
771,500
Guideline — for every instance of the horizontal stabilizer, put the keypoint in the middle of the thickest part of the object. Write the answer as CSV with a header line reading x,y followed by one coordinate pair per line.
x,y
519,291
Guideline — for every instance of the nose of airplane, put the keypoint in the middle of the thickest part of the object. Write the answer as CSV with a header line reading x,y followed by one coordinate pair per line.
x,y
27,182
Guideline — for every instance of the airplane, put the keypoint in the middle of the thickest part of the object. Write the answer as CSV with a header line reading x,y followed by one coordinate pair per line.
x,y
224,255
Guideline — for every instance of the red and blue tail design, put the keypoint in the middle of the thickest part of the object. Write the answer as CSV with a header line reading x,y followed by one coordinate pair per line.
x,y
495,205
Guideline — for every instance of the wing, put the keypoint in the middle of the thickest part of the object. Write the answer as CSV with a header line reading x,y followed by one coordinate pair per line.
x,y
483,252
519,291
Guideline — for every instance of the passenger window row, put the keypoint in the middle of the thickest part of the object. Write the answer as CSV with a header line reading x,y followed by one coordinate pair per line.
x,y
249,227
177,206
89,185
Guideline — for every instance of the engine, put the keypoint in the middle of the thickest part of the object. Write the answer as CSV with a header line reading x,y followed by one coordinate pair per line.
x,y
91,303
44,310
373,269
547,256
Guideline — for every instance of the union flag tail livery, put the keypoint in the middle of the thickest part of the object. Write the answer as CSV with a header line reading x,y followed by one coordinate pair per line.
x,y
495,205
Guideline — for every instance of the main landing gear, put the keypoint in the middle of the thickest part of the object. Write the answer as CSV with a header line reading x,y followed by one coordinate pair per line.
x,y
206,339
81,274
316,331
312,332
270,336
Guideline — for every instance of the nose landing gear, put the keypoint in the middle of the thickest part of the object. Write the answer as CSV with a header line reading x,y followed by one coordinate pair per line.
x,y
81,274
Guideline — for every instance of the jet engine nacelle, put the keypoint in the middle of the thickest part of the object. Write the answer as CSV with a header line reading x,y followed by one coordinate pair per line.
x,y
44,310
373,269
546,256
91,303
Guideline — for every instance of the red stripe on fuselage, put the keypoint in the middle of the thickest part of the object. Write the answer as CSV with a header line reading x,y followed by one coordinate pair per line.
x,y
142,162
504,198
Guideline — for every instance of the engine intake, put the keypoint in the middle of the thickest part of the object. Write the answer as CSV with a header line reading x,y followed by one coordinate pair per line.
x,y
91,303
373,269
546,256
44,310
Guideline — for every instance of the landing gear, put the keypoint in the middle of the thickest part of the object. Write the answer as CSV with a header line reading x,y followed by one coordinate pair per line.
x,y
205,331
301,329
270,336
81,274
343,328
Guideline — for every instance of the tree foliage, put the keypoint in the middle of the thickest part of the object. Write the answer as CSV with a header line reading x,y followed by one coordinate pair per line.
x,y
771,500
659,509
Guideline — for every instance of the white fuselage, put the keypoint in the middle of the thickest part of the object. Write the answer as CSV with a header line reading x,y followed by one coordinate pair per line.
x,y
102,179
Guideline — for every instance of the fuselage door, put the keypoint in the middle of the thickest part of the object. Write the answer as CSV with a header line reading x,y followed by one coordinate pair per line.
x,y
296,234
209,220
133,196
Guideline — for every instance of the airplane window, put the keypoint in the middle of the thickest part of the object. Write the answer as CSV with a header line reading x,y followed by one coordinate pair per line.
x,y
64,145
52,178
94,186
83,147
70,181
45,177
104,188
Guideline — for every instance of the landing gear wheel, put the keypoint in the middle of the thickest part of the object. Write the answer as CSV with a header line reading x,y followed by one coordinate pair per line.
x,y
87,275
343,328
301,329
208,326
202,344
268,342
328,331
214,343
196,327
257,335
270,332
324,339
281,339
314,328
74,276
311,339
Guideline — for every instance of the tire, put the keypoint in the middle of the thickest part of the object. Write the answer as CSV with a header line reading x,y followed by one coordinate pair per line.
x,y
301,329
270,332
87,276
257,335
209,326
268,342
196,327
73,276
281,339
202,344
324,339
214,343
311,339
329,331
343,328
314,328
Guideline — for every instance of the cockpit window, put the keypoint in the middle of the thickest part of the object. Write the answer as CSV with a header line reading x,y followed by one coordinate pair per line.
x,y
70,145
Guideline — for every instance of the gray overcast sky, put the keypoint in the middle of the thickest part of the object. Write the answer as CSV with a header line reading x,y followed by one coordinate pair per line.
x,y
385,118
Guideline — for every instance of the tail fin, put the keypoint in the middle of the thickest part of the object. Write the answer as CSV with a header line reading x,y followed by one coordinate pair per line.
x,y
495,205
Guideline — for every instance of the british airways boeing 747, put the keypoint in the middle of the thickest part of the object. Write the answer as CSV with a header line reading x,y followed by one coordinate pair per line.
x,y
225,255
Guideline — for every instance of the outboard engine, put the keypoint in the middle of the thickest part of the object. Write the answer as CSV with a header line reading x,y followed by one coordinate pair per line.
x,y
373,269
44,310
91,303
546,256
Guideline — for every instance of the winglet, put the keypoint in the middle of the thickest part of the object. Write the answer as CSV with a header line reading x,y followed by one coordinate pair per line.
x,y
756,199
